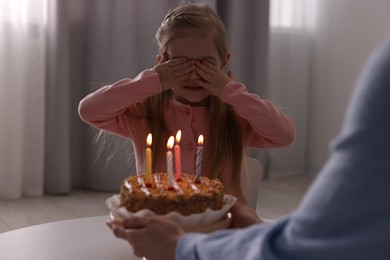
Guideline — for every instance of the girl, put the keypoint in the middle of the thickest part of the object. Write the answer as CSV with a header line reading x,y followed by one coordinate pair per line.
x,y
188,90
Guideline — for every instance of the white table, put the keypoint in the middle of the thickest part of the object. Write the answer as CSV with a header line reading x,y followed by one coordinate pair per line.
x,y
73,239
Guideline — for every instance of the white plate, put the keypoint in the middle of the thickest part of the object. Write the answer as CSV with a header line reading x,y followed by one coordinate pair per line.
x,y
208,221
222,223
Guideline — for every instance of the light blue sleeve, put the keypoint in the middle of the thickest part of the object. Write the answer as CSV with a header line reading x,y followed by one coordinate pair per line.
x,y
346,212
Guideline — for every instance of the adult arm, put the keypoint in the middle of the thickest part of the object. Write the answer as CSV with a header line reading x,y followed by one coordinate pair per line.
x,y
346,212
156,237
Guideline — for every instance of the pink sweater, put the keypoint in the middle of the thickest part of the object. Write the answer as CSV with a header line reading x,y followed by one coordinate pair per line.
x,y
261,123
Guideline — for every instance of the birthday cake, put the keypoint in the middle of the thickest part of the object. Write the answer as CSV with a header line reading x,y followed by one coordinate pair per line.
x,y
186,195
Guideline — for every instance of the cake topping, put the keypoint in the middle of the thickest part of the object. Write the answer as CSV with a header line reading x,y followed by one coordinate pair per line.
x,y
190,180
193,186
177,188
143,187
128,186
158,182
185,197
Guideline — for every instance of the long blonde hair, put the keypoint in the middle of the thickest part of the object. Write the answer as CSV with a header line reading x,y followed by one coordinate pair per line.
x,y
227,144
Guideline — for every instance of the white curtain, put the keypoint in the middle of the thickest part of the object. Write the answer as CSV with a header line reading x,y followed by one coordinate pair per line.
x,y
22,82
292,24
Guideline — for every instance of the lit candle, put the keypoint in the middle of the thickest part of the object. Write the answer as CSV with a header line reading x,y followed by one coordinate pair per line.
x,y
148,159
169,161
199,157
177,155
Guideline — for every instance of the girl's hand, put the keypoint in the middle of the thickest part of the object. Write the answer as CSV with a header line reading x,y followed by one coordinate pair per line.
x,y
153,237
173,72
212,78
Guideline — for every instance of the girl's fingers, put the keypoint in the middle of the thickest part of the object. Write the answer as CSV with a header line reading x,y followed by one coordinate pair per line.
x,y
186,66
205,71
176,61
183,72
182,77
182,69
207,66
205,75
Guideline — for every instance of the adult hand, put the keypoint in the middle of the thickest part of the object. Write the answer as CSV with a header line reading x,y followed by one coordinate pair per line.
x,y
153,237
173,72
243,216
212,78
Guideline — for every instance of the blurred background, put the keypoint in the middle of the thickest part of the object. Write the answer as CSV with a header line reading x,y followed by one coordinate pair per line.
x,y
305,55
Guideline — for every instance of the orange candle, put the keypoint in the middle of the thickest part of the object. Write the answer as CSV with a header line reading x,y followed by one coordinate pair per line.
x,y
177,155
169,161
148,159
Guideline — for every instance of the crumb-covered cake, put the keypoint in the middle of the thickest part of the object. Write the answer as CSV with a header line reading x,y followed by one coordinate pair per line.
x,y
185,196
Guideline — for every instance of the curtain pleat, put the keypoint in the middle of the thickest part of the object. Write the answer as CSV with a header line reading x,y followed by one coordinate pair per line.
x,y
22,77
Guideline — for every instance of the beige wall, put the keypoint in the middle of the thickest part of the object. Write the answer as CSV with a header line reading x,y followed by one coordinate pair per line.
x,y
348,30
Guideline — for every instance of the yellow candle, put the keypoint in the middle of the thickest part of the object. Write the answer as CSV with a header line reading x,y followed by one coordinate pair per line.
x,y
148,160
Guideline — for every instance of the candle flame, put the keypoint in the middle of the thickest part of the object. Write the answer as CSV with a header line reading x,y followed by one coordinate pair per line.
x,y
200,140
149,139
170,142
178,136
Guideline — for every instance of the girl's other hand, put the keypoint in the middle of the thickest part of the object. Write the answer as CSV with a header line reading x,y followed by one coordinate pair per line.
x,y
212,78
173,72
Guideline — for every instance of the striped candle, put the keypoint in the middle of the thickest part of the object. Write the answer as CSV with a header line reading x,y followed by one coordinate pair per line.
x,y
177,155
169,161
199,158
